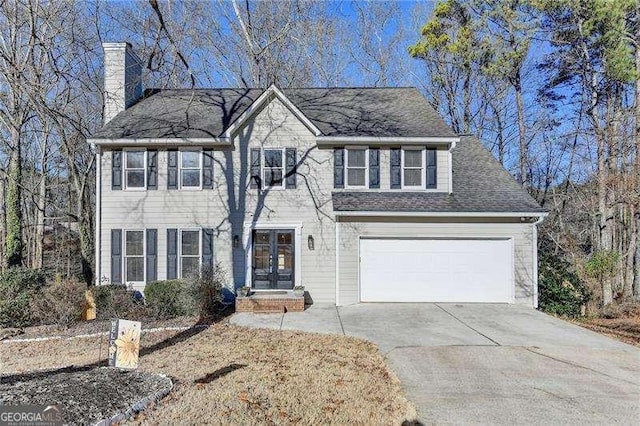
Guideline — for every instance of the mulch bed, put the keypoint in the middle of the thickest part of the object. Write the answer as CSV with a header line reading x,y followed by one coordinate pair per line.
x,y
86,395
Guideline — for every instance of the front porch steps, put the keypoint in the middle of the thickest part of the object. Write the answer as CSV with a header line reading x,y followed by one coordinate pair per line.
x,y
270,302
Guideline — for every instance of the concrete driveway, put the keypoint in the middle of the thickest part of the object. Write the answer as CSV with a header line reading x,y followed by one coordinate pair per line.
x,y
485,363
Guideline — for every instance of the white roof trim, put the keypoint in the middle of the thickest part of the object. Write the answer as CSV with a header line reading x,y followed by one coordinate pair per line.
x,y
329,140
160,141
440,214
272,90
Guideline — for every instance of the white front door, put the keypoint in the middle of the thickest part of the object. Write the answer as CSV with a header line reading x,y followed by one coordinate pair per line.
x,y
436,270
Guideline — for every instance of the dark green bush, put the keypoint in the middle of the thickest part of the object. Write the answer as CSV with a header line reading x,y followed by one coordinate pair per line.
x,y
168,299
117,301
561,292
17,286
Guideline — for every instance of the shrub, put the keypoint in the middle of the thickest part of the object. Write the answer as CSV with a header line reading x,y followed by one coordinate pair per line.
x,y
17,285
60,303
602,264
168,299
561,290
611,311
197,295
628,309
117,301
206,288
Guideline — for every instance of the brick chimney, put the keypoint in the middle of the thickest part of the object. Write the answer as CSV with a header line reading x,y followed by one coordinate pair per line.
x,y
122,78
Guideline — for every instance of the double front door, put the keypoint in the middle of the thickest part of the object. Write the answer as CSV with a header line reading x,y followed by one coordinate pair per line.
x,y
273,259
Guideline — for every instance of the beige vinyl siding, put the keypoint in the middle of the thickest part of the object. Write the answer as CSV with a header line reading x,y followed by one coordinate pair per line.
x,y
231,204
351,229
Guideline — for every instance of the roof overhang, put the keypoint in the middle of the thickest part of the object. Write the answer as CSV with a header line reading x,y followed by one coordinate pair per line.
x,y
272,91
160,141
439,214
395,140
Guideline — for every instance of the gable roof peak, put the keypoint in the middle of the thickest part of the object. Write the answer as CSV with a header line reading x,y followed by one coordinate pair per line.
x,y
265,97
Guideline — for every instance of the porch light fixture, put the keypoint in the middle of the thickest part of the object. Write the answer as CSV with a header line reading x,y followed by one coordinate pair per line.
x,y
311,243
236,241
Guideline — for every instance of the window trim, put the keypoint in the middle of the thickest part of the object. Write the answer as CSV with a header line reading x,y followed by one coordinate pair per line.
x,y
263,163
180,168
125,182
199,256
366,167
144,255
423,169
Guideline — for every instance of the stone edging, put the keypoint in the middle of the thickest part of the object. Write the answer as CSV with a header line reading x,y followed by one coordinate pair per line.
x,y
138,406
106,333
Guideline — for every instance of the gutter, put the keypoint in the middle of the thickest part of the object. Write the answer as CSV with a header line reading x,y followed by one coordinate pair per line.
x,y
371,140
540,215
534,250
159,141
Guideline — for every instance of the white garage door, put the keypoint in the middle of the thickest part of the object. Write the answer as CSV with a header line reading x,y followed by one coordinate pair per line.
x,y
436,270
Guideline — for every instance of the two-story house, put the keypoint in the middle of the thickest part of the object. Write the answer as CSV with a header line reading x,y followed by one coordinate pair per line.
x,y
359,194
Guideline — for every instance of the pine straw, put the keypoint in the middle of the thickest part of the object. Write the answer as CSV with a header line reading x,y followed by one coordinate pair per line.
x,y
624,329
230,374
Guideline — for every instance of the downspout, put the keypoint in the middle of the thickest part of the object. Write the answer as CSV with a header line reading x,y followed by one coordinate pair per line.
x,y
98,225
534,250
453,145
337,235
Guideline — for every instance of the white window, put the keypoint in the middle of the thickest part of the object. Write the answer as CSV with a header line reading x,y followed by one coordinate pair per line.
x,y
134,250
189,252
357,167
273,168
135,176
413,161
190,169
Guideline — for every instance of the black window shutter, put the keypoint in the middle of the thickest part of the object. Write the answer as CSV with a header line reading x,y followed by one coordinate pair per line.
x,y
431,169
207,169
172,254
396,172
152,169
152,255
172,169
116,256
255,168
207,247
291,159
338,168
374,168
116,170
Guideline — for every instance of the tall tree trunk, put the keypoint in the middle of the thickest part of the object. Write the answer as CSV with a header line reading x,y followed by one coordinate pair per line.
x,y
466,111
3,222
14,247
523,159
630,273
85,231
636,169
38,255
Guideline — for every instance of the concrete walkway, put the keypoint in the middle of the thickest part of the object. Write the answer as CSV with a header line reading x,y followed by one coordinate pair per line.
x,y
485,363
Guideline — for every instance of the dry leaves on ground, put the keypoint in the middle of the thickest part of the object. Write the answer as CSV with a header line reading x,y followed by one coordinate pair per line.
x,y
237,375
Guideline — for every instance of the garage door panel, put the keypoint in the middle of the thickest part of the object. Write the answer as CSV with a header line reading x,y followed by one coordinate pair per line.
x,y
436,270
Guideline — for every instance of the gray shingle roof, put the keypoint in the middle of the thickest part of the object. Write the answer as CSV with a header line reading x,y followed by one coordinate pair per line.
x,y
206,113
480,184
